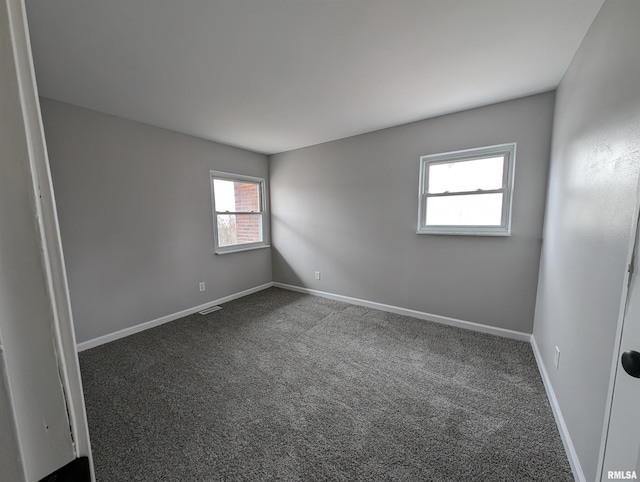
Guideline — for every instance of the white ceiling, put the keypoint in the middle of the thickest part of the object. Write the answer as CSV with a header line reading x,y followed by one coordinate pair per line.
x,y
275,75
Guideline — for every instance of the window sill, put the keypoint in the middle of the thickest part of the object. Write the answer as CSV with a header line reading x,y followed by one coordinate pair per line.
x,y
242,248
465,233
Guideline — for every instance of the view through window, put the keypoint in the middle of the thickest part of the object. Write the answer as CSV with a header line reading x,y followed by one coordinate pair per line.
x,y
238,203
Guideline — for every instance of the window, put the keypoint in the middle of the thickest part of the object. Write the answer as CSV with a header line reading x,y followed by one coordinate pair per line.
x,y
238,212
467,192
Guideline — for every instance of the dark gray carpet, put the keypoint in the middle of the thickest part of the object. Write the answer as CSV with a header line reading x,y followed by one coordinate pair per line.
x,y
284,386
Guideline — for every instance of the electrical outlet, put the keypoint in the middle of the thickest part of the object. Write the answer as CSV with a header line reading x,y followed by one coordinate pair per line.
x,y
202,288
317,274
556,358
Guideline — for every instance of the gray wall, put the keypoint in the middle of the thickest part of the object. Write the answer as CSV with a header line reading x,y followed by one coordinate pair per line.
x,y
587,229
349,209
135,215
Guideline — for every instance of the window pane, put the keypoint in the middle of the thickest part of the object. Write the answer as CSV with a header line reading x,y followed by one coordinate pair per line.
x,y
236,195
469,210
236,229
466,175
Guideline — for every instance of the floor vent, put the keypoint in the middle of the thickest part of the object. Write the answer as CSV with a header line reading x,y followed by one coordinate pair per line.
x,y
210,310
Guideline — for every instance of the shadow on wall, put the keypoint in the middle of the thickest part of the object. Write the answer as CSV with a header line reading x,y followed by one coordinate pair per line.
x,y
286,271
308,254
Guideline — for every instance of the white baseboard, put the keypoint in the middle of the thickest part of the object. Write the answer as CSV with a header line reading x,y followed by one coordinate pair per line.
x,y
469,325
578,474
101,340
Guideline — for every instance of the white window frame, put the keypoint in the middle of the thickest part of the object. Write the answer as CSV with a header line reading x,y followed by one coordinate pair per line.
x,y
226,176
506,150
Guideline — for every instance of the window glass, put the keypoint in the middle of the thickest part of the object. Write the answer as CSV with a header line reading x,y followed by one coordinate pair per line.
x,y
239,229
235,196
469,210
485,174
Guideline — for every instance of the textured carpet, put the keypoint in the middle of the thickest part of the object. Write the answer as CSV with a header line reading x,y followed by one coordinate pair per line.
x,y
284,386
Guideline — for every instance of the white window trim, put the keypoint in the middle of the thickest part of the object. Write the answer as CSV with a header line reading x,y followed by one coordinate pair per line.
x,y
508,151
263,211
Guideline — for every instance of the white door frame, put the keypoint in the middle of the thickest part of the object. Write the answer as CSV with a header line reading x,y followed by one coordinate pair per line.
x,y
46,217
615,363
